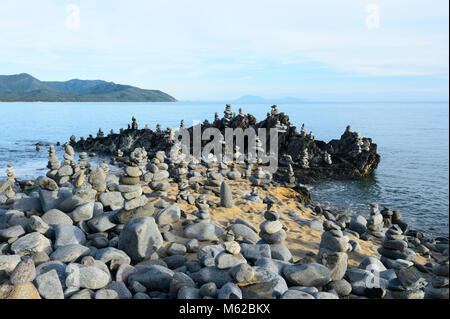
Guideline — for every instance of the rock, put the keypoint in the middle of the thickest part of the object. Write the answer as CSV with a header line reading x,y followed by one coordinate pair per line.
x,y
83,212
226,197
123,216
359,224
268,285
232,247
83,294
8,263
49,285
106,294
225,260
140,238
180,280
202,231
28,204
336,262
112,200
66,234
103,222
36,224
69,253
242,273
121,289
24,272
276,238
98,180
11,232
437,293
208,290
30,244
308,275
229,291
176,249
372,264
135,202
253,252
212,274
22,291
168,215
342,287
296,294
124,271
55,217
175,261
52,199
280,252
271,227
332,242
90,277
188,293
153,278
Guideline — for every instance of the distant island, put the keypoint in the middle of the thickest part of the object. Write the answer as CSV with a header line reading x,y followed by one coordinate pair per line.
x,y
26,88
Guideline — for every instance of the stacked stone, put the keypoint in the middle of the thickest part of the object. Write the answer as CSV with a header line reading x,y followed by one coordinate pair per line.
x,y
10,174
68,165
260,177
272,233
223,168
230,257
333,250
395,253
438,288
104,166
139,157
286,160
53,163
387,216
274,110
134,124
7,187
234,174
248,171
375,222
254,195
131,190
203,208
214,180
407,284
327,158
83,161
185,197
181,176
100,133
160,175
303,131
304,159
228,115
290,177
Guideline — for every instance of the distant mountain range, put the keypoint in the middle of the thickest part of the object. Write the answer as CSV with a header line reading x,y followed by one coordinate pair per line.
x,y
24,87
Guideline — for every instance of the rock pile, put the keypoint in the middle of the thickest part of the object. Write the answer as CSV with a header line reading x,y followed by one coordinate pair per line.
x,y
394,251
438,286
260,177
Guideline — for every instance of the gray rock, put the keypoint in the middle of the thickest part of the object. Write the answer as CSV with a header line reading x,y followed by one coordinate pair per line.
x,y
83,294
212,274
49,285
336,262
276,238
371,263
28,204
271,227
36,224
176,249
342,287
135,202
102,222
243,232
30,244
120,288
124,271
140,238
90,277
180,280
202,231
333,243
309,275
98,180
58,266
242,273
225,260
153,278
189,293
272,265
112,200
106,294
168,215
208,290
11,232
325,295
359,224
175,261
52,199
281,252
295,294
268,285
253,252
83,212
8,263
229,291
113,255
69,253
226,197
55,217
66,234
70,203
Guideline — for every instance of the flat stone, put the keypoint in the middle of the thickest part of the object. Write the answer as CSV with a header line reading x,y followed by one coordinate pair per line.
x,y
49,285
112,200
55,217
168,215
267,285
271,227
202,231
66,234
69,253
308,275
153,278
30,244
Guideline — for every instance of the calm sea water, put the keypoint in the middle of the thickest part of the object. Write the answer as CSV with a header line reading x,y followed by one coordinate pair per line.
x,y
412,139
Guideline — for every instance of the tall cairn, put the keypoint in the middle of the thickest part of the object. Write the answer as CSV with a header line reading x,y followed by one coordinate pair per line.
x,y
53,163
333,249
68,165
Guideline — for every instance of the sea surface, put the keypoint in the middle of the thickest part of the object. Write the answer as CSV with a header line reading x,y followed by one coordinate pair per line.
x,y
412,138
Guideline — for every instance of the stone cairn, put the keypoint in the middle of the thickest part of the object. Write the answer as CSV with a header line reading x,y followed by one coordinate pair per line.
x,y
53,163
407,284
233,174
68,165
203,208
375,222
260,177
327,158
160,175
394,251
7,186
139,157
131,190
304,159
83,161
438,288
214,180
333,249
228,115
254,195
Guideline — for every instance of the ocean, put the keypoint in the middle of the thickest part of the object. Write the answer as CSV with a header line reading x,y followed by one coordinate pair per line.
x,y
412,138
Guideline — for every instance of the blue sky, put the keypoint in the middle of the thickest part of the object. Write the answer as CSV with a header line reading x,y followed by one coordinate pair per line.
x,y
333,50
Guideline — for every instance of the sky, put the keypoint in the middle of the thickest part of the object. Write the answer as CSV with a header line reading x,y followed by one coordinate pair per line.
x,y
322,50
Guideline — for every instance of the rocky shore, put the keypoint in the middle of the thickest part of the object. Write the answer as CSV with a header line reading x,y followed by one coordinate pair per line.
x,y
167,227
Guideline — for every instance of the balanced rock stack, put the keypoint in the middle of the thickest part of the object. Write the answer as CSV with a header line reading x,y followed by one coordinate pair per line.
x,y
228,115
407,284
272,233
68,165
304,159
83,161
375,222
395,253
260,177
203,207
387,216
229,257
214,181
139,157
234,174
7,186
333,249
159,181
53,163
439,285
